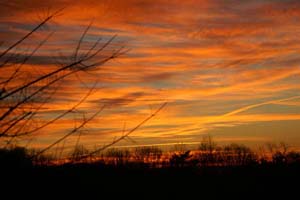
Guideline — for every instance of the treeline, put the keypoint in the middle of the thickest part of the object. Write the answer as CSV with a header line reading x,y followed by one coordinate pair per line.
x,y
207,154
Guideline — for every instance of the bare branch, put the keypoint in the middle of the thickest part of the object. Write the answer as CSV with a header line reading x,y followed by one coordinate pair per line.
x,y
125,135
26,59
81,40
61,115
70,133
31,32
14,123
64,68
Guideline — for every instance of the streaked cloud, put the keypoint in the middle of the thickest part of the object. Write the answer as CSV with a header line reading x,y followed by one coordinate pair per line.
x,y
219,64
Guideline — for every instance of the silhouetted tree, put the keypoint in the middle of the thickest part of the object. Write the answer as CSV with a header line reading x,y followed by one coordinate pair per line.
x,y
293,157
78,151
235,154
117,156
279,153
147,154
14,157
208,151
24,96
180,159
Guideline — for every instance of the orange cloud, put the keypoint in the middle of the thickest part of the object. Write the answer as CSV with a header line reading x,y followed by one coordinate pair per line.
x,y
212,60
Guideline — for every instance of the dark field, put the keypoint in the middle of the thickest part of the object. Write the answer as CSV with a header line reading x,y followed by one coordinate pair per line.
x,y
141,180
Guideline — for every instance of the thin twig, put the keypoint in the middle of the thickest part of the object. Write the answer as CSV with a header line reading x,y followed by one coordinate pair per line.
x,y
31,32
125,135
70,133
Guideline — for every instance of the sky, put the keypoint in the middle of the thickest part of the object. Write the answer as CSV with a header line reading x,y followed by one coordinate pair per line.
x,y
227,68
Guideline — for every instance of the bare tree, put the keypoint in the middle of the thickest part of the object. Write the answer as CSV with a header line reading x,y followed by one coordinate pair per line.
x,y
24,96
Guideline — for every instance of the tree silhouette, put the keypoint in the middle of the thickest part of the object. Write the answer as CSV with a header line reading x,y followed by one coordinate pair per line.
x,y
23,97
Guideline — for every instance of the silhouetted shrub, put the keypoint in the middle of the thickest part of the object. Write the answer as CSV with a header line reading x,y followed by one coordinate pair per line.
x,y
147,154
279,158
78,152
235,154
209,152
293,157
15,157
180,159
117,156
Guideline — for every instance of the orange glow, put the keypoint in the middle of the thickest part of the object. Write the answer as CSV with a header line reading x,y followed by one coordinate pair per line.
x,y
218,68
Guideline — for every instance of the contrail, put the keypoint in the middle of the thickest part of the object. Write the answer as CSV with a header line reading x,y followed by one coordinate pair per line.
x,y
237,111
257,105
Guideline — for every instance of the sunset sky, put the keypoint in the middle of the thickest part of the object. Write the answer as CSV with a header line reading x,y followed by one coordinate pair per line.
x,y
227,68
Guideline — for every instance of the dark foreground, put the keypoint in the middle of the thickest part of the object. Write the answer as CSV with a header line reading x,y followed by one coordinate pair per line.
x,y
109,182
